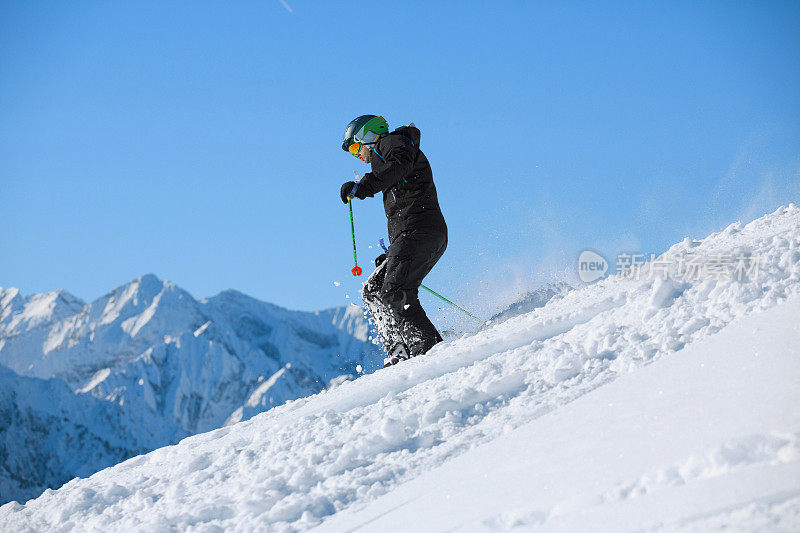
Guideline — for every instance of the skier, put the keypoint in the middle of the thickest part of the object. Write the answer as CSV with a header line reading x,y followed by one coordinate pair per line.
x,y
417,232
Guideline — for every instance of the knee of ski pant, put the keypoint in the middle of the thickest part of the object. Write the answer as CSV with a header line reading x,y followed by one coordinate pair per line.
x,y
402,302
374,283
396,300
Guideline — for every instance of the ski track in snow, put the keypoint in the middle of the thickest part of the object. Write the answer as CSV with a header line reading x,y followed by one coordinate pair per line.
x,y
290,468
772,449
779,513
753,450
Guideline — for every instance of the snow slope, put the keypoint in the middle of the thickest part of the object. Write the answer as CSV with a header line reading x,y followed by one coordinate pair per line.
x,y
687,441
529,396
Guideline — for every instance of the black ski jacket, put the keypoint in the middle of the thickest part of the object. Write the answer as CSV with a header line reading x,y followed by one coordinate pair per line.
x,y
401,171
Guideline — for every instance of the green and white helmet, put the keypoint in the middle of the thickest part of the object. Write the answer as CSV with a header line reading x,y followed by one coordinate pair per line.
x,y
365,129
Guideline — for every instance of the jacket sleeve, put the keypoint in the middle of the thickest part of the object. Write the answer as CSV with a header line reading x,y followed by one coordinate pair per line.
x,y
399,157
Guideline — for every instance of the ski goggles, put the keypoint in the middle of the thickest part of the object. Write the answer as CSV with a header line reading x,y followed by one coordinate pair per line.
x,y
355,148
368,139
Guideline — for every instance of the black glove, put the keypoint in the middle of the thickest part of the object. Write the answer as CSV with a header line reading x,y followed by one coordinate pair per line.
x,y
347,191
379,260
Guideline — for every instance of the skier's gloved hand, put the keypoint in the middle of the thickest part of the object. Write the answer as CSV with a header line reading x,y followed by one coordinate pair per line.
x,y
350,190
379,260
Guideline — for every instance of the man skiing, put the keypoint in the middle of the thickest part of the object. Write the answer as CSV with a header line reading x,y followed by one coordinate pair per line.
x,y
417,232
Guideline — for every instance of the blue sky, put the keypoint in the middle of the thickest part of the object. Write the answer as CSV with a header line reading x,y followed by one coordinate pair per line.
x,y
201,141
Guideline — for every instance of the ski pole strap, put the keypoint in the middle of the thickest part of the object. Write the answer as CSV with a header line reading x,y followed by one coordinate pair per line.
x,y
352,231
448,301
355,183
383,245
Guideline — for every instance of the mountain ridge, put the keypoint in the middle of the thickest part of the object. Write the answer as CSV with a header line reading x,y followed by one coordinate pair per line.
x,y
171,366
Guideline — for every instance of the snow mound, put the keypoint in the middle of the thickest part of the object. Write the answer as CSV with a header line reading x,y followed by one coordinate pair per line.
x,y
532,300
322,460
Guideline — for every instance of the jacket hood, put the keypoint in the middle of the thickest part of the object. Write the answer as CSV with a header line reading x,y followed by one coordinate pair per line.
x,y
410,131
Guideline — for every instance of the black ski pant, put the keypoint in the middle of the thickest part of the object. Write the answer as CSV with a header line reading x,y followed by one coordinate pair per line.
x,y
409,259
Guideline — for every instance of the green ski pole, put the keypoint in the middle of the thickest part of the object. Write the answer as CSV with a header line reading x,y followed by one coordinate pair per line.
x,y
448,301
356,270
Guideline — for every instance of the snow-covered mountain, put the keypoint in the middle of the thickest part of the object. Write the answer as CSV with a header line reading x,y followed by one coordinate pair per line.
x,y
166,365
49,435
641,402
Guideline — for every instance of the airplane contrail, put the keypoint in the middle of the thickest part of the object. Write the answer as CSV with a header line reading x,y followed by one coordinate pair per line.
x,y
286,5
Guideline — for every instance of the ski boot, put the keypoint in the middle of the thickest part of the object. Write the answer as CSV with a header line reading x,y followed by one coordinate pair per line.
x,y
398,353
